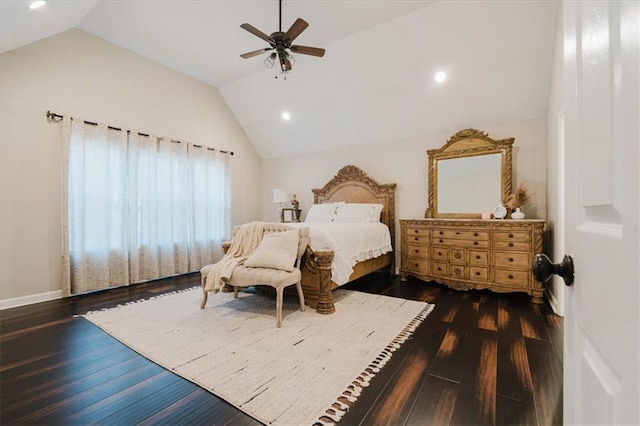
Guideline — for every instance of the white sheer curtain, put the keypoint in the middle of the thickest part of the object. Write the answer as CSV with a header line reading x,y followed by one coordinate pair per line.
x,y
211,212
158,207
138,207
96,246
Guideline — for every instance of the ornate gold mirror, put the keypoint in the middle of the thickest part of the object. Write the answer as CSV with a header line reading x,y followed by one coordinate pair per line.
x,y
469,175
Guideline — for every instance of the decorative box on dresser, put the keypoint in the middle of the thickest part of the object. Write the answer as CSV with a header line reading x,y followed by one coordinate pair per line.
x,y
472,253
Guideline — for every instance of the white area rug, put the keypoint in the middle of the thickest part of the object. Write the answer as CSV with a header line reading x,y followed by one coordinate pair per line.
x,y
288,376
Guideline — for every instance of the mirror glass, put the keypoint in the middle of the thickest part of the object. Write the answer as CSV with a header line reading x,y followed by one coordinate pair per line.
x,y
469,184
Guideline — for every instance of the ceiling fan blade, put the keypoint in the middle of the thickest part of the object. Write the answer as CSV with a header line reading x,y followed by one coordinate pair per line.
x,y
306,50
256,32
255,53
296,28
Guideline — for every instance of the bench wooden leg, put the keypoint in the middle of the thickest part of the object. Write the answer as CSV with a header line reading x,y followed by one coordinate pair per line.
x,y
300,295
205,294
279,292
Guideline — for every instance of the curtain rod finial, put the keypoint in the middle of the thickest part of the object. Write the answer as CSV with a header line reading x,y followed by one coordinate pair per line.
x,y
52,116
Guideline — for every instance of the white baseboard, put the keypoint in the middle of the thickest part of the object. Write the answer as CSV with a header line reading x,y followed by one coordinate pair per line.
x,y
555,305
29,300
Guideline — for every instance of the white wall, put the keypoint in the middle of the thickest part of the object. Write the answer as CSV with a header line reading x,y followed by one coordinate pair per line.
x,y
77,74
405,163
555,287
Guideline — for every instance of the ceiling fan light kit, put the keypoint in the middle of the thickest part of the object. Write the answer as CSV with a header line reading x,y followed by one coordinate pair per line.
x,y
281,43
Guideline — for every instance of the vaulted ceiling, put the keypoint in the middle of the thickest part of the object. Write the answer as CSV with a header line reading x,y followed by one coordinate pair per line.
x,y
375,82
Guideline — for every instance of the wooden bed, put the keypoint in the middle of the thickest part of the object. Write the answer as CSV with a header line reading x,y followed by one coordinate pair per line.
x,y
351,185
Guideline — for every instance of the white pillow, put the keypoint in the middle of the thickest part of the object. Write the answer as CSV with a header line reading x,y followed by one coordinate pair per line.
x,y
375,213
358,213
277,250
322,212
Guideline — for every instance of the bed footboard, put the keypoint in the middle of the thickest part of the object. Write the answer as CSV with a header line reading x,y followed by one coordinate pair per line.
x,y
316,277
316,280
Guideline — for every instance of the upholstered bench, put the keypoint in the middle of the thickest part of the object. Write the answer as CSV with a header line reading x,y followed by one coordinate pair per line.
x,y
275,263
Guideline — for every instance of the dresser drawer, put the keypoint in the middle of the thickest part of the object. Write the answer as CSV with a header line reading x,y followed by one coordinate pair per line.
x,y
478,273
511,277
511,236
414,231
418,251
418,239
460,243
512,259
439,268
417,266
478,257
512,245
458,256
440,253
457,271
463,235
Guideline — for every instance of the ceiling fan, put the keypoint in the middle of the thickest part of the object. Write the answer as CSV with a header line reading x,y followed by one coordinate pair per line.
x,y
281,43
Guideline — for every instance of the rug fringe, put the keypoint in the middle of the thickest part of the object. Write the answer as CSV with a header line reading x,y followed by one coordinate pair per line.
x,y
334,413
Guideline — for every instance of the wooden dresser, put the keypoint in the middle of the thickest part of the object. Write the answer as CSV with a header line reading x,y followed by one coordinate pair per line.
x,y
472,253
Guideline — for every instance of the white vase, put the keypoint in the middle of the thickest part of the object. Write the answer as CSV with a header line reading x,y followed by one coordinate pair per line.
x,y
517,214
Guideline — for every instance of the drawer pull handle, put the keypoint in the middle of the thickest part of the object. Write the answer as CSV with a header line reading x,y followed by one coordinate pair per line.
x,y
510,276
415,230
441,241
458,233
475,234
439,269
478,257
415,238
457,255
510,235
416,250
478,273
417,265
475,243
457,271
441,233
510,244
511,259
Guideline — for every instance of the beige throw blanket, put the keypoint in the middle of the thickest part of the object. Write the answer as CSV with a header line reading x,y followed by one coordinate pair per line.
x,y
243,244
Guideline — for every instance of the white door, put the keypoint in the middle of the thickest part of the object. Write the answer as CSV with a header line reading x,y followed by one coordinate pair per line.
x,y
602,322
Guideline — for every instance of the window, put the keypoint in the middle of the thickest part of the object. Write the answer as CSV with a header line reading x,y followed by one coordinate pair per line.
x,y
139,207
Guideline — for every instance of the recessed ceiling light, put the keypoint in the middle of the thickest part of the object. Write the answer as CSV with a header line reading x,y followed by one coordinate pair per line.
x,y
37,4
441,76
286,116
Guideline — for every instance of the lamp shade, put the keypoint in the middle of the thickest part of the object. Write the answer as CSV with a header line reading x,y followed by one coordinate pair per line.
x,y
280,195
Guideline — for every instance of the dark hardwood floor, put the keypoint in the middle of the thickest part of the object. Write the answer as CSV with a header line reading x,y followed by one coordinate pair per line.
x,y
478,358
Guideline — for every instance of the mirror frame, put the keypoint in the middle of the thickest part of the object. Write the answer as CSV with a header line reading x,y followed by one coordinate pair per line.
x,y
468,143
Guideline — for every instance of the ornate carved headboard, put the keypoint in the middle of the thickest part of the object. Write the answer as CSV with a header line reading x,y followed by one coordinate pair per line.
x,y
352,185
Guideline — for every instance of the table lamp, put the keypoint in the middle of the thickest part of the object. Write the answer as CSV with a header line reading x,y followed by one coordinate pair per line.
x,y
280,196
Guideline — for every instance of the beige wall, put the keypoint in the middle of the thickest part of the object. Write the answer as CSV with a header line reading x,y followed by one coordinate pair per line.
x,y
80,75
405,163
555,287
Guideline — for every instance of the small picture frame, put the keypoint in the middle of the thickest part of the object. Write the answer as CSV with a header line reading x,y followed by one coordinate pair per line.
x,y
288,215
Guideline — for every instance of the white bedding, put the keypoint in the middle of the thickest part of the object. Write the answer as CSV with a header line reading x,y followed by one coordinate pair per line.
x,y
350,242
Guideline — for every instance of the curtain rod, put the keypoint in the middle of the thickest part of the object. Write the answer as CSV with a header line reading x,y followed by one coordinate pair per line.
x,y
57,118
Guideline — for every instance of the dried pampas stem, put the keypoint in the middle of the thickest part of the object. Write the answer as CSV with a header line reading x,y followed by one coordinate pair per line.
x,y
518,198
